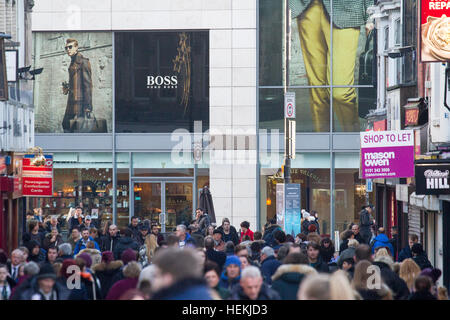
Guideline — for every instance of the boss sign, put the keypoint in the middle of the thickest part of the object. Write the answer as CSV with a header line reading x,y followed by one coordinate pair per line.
x,y
387,154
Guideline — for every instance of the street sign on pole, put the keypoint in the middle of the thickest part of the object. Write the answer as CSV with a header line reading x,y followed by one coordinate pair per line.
x,y
289,105
369,185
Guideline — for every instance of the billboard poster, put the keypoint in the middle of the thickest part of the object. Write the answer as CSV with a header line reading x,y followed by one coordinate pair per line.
x,y
432,178
387,154
37,180
435,31
292,209
73,94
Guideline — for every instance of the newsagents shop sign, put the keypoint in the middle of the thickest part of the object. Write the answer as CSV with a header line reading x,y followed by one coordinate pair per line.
x,y
387,154
432,178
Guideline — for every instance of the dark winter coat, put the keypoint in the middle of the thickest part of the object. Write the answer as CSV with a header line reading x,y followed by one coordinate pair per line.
x,y
204,222
365,222
232,236
108,243
320,266
288,278
393,281
47,243
106,273
187,289
218,257
135,231
268,234
327,253
422,261
31,291
265,293
268,268
226,283
369,294
419,295
404,254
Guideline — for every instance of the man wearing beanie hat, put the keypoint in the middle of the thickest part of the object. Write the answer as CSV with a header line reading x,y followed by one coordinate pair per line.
x,y
45,287
231,273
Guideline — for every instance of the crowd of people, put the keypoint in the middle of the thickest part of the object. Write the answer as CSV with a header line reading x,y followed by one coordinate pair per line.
x,y
202,261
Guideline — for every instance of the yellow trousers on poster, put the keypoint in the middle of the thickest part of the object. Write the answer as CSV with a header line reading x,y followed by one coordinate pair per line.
x,y
314,31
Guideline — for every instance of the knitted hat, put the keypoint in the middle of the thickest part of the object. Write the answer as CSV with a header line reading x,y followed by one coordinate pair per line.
x,y
434,273
107,256
232,260
46,271
128,256
86,257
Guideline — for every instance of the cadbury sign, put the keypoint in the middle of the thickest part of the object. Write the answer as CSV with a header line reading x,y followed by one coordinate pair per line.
x,y
387,154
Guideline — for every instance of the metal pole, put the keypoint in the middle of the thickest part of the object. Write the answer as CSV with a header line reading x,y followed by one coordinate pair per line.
x,y
114,173
287,132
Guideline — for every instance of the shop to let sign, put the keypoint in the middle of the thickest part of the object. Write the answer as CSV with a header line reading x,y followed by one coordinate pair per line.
x,y
37,180
387,154
435,30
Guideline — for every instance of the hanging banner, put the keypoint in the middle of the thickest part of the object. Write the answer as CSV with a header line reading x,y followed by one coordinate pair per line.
x,y
387,154
435,31
432,179
37,180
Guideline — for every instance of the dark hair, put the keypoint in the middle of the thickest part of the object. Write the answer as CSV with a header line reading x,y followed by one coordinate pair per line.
x,y
417,248
201,209
363,252
279,235
239,248
349,261
52,247
394,228
413,237
257,235
296,258
32,224
290,238
77,228
301,236
209,243
128,233
313,245
423,283
255,247
229,246
282,252
78,207
83,229
245,224
346,234
172,239
93,229
211,265
134,217
81,263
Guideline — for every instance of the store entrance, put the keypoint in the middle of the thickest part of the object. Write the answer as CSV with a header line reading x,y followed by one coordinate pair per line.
x,y
167,203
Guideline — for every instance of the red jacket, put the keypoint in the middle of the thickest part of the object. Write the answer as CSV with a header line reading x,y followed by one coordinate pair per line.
x,y
248,233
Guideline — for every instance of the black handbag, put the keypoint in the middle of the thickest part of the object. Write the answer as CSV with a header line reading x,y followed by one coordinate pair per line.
x,y
367,97
88,124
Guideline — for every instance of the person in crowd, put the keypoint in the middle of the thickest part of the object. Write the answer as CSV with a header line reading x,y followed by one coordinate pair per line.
x,y
280,238
93,291
202,219
290,274
241,250
409,271
134,227
53,238
44,286
93,233
382,241
355,230
158,235
149,241
229,248
245,231
125,242
15,263
106,271
214,255
52,255
348,253
363,252
173,281
364,282
252,287
94,254
419,256
196,236
423,286
315,215
315,260
326,249
64,252
36,253
146,278
219,245
255,248
85,238
30,269
87,224
365,222
229,232
282,252
394,240
212,276
6,283
75,236
326,287
245,262
209,231
348,265
398,286
269,230
346,236
70,273
131,272
184,239
53,223
75,217
269,264
231,274
307,220
406,253
110,240
33,234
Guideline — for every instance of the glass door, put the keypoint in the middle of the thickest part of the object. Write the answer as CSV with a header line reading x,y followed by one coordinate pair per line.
x,y
178,201
148,201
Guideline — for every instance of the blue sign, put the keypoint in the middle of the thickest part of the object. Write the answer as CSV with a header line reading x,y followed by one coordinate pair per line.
x,y
292,195
369,185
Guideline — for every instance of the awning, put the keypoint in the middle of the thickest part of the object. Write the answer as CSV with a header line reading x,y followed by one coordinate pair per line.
x,y
424,202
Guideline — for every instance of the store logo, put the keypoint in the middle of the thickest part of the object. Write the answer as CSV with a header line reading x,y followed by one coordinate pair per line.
x,y
162,82
436,179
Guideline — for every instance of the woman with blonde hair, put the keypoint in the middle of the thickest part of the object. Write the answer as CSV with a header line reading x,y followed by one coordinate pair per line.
x,y
409,271
326,287
368,283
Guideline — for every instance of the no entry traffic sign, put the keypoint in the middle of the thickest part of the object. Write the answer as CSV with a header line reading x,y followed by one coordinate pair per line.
x,y
289,105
